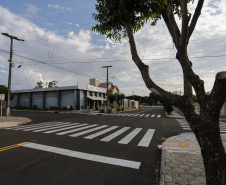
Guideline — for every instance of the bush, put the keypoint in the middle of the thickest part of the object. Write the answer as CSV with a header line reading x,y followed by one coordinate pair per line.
x,y
122,109
102,111
82,107
53,108
118,109
167,107
77,107
35,107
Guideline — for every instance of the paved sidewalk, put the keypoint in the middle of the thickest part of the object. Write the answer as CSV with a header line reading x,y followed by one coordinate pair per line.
x,y
181,161
12,121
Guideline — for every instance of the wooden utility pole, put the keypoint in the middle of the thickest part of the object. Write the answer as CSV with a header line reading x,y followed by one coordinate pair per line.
x,y
107,88
10,70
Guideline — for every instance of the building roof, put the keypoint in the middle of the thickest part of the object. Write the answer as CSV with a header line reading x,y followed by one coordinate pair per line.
x,y
105,84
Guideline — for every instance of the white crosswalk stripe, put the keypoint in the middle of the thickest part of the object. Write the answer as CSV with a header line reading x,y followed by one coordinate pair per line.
x,y
75,130
66,128
145,141
115,134
49,128
130,136
88,131
133,115
101,132
185,126
46,126
34,125
106,133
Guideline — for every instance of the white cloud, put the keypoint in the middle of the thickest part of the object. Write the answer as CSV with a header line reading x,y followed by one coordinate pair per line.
x,y
60,8
77,52
31,10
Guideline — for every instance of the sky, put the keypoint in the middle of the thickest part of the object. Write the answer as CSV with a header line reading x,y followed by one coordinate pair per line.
x,y
60,45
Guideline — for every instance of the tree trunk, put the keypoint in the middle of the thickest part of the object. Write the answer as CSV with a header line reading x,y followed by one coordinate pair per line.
x,y
207,132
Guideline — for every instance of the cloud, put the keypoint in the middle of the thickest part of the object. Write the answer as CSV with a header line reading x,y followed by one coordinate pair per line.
x,y
83,53
60,8
31,10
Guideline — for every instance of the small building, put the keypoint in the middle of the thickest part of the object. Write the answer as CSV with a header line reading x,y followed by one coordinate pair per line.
x,y
127,103
77,97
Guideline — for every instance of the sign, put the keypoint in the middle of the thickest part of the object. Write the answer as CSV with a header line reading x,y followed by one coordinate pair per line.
x,y
2,96
3,103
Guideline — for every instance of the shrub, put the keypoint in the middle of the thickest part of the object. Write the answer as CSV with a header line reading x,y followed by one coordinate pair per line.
x,y
53,108
77,107
102,111
118,109
35,107
122,109
82,107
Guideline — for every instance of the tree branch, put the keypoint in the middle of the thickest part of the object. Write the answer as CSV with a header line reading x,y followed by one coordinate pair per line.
x,y
195,18
217,96
167,22
144,69
172,22
185,22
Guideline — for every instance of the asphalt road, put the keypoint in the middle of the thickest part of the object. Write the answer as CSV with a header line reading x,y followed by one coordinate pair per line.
x,y
56,159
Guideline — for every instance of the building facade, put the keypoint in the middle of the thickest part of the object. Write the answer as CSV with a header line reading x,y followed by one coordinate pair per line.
x,y
77,97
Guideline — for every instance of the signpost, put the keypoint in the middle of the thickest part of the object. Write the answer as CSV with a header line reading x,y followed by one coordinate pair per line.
x,y
2,97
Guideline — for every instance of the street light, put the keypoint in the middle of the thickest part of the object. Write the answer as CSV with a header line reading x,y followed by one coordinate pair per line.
x,y
107,86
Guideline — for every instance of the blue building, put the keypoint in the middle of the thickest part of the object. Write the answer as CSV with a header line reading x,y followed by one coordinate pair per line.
x,y
82,95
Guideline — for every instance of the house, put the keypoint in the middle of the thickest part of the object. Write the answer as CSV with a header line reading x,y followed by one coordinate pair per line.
x,y
112,89
77,97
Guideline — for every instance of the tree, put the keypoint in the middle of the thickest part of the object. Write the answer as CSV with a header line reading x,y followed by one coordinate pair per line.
x,y
4,90
39,85
112,98
119,98
155,97
51,84
127,17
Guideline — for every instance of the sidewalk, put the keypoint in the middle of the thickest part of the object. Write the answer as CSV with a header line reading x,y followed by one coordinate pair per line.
x,y
181,160
12,121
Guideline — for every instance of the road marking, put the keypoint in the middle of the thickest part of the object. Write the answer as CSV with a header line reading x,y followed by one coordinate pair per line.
x,y
153,115
66,128
13,146
141,115
85,156
88,131
50,128
46,126
130,136
158,116
101,132
33,125
115,134
145,141
147,115
75,130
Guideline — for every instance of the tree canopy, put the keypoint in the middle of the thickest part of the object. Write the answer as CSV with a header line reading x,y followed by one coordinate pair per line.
x,y
4,90
112,15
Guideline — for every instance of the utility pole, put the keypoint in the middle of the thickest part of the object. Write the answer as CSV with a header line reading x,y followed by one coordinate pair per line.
x,y
10,70
107,87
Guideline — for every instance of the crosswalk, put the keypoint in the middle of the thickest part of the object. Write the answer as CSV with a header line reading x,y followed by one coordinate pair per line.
x,y
104,133
185,126
134,115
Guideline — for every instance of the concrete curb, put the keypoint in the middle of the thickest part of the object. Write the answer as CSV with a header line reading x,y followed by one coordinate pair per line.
x,y
13,121
162,170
